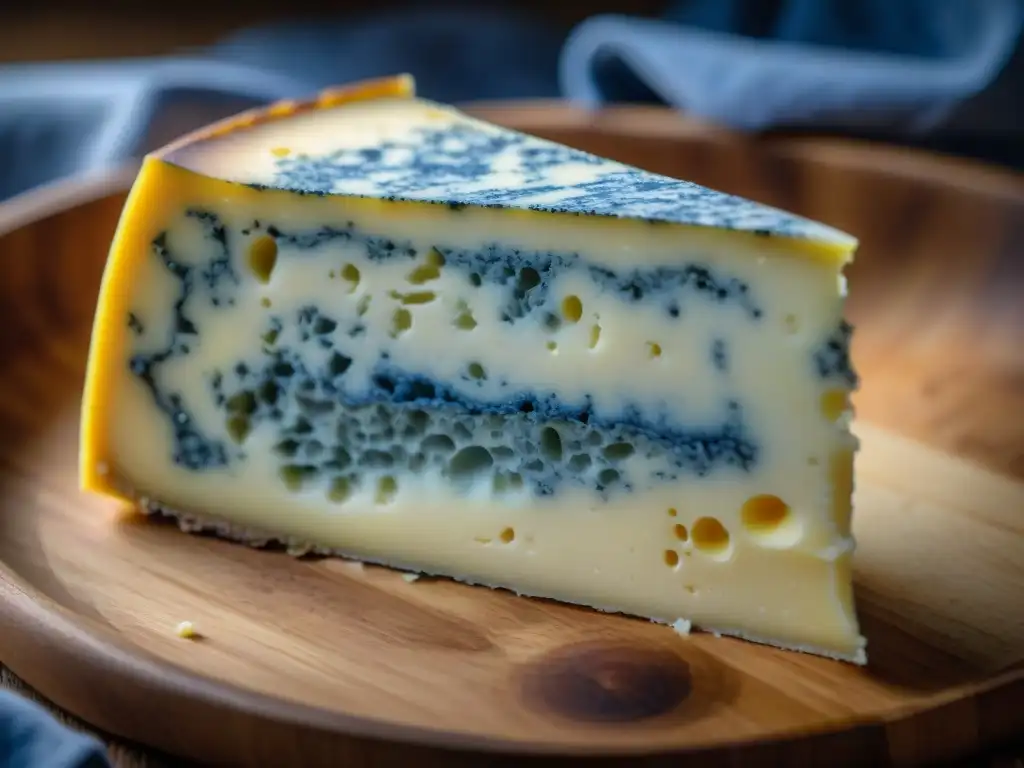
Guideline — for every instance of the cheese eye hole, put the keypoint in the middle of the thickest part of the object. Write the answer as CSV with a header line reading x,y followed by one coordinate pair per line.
x,y
671,558
263,257
508,535
416,297
834,403
387,487
764,514
529,278
350,274
469,462
429,270
595,335
339,490
572,308
680,531
401,321
551,444
618,451
464,319
710,536
506,482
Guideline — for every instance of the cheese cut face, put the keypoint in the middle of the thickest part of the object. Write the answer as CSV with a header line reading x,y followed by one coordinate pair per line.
x,y
370,325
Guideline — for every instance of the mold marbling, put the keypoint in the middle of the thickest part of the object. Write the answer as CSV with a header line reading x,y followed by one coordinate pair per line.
x,y
468,163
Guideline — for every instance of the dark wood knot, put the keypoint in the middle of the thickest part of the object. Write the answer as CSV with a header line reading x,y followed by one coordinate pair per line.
x,y
607,683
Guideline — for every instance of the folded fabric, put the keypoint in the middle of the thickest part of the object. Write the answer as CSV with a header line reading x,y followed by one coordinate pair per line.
x,y
60,119
903,65
483,51
31,738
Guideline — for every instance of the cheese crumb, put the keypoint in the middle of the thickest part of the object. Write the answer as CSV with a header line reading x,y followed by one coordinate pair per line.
x,y
300,550
682,627
186,630
411,577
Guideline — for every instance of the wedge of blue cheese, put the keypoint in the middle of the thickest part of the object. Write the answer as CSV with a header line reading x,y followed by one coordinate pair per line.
x,y
370,325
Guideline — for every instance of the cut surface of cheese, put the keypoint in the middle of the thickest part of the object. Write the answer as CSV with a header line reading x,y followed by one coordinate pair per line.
x,y
370,325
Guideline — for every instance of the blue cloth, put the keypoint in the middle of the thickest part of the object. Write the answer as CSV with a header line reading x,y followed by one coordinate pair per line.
x,y
905,68
905,65
59,119
31,738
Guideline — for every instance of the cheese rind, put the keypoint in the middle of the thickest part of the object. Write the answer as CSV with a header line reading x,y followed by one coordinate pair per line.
x,y
495,373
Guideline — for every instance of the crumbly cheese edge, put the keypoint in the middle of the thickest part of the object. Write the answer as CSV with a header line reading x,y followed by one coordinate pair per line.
x,y
297,547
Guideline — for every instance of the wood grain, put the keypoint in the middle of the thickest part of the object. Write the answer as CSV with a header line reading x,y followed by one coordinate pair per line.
x,y
324,662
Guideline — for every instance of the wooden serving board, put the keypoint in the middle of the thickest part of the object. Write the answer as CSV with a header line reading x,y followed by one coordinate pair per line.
x,y
306,662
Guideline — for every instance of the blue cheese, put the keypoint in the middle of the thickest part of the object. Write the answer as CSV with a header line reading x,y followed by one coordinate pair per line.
x,y
374,326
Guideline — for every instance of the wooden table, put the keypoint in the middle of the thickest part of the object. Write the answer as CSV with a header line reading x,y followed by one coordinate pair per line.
x,y
125,755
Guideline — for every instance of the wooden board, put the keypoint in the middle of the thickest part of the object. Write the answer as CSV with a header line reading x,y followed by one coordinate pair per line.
x,y
326,662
